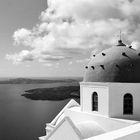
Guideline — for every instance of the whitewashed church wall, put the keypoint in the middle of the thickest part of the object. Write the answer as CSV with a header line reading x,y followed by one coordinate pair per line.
x,y
116,94
103,98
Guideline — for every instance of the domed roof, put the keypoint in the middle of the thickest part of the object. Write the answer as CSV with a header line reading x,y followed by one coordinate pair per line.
x,y
116,64
89,129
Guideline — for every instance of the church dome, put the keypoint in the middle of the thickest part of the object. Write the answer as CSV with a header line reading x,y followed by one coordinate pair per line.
x,y
116,64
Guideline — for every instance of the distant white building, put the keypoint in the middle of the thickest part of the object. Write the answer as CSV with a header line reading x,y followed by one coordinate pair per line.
x,y
109,98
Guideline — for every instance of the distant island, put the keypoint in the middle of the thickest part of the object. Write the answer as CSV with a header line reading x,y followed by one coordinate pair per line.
x,y
39,81
66,88
55,93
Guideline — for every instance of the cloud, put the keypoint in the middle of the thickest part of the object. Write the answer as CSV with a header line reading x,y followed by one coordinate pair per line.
x,y
20,57
22,35
136,45
70,63
71,29
44,58
26,55
48,65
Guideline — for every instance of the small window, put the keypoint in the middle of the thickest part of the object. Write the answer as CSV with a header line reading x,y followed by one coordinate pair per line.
x,y
94,101
128,104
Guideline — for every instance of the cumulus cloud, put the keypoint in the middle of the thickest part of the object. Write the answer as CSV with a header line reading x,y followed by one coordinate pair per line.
x,y
48,65
70,63
26,55
74,28
22,35
136,45
44,58
20,57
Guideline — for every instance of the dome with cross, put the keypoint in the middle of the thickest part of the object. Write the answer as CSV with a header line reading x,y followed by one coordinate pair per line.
x,y
116,64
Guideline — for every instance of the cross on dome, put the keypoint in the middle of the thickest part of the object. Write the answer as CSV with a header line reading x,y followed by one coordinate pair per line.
x,y
120,42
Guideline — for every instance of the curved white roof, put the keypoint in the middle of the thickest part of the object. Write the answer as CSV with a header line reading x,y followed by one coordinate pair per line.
x,y
89,129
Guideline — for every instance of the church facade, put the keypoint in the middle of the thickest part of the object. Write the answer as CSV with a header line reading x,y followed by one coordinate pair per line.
x,y
109,100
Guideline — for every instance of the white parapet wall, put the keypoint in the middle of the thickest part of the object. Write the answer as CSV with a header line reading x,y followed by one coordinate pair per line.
x,y
128,133
51,126
71,103
108,124
65,130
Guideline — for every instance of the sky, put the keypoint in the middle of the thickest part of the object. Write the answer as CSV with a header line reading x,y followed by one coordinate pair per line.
x,y
57,38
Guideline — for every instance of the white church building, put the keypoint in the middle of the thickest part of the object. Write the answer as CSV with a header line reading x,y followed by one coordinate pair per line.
x,y
109,100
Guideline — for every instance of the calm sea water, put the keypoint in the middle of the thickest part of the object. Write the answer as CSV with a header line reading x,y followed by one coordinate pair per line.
x,y
24,119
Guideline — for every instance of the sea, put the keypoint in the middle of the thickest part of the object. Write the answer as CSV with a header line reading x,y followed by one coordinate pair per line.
x,y
25,119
